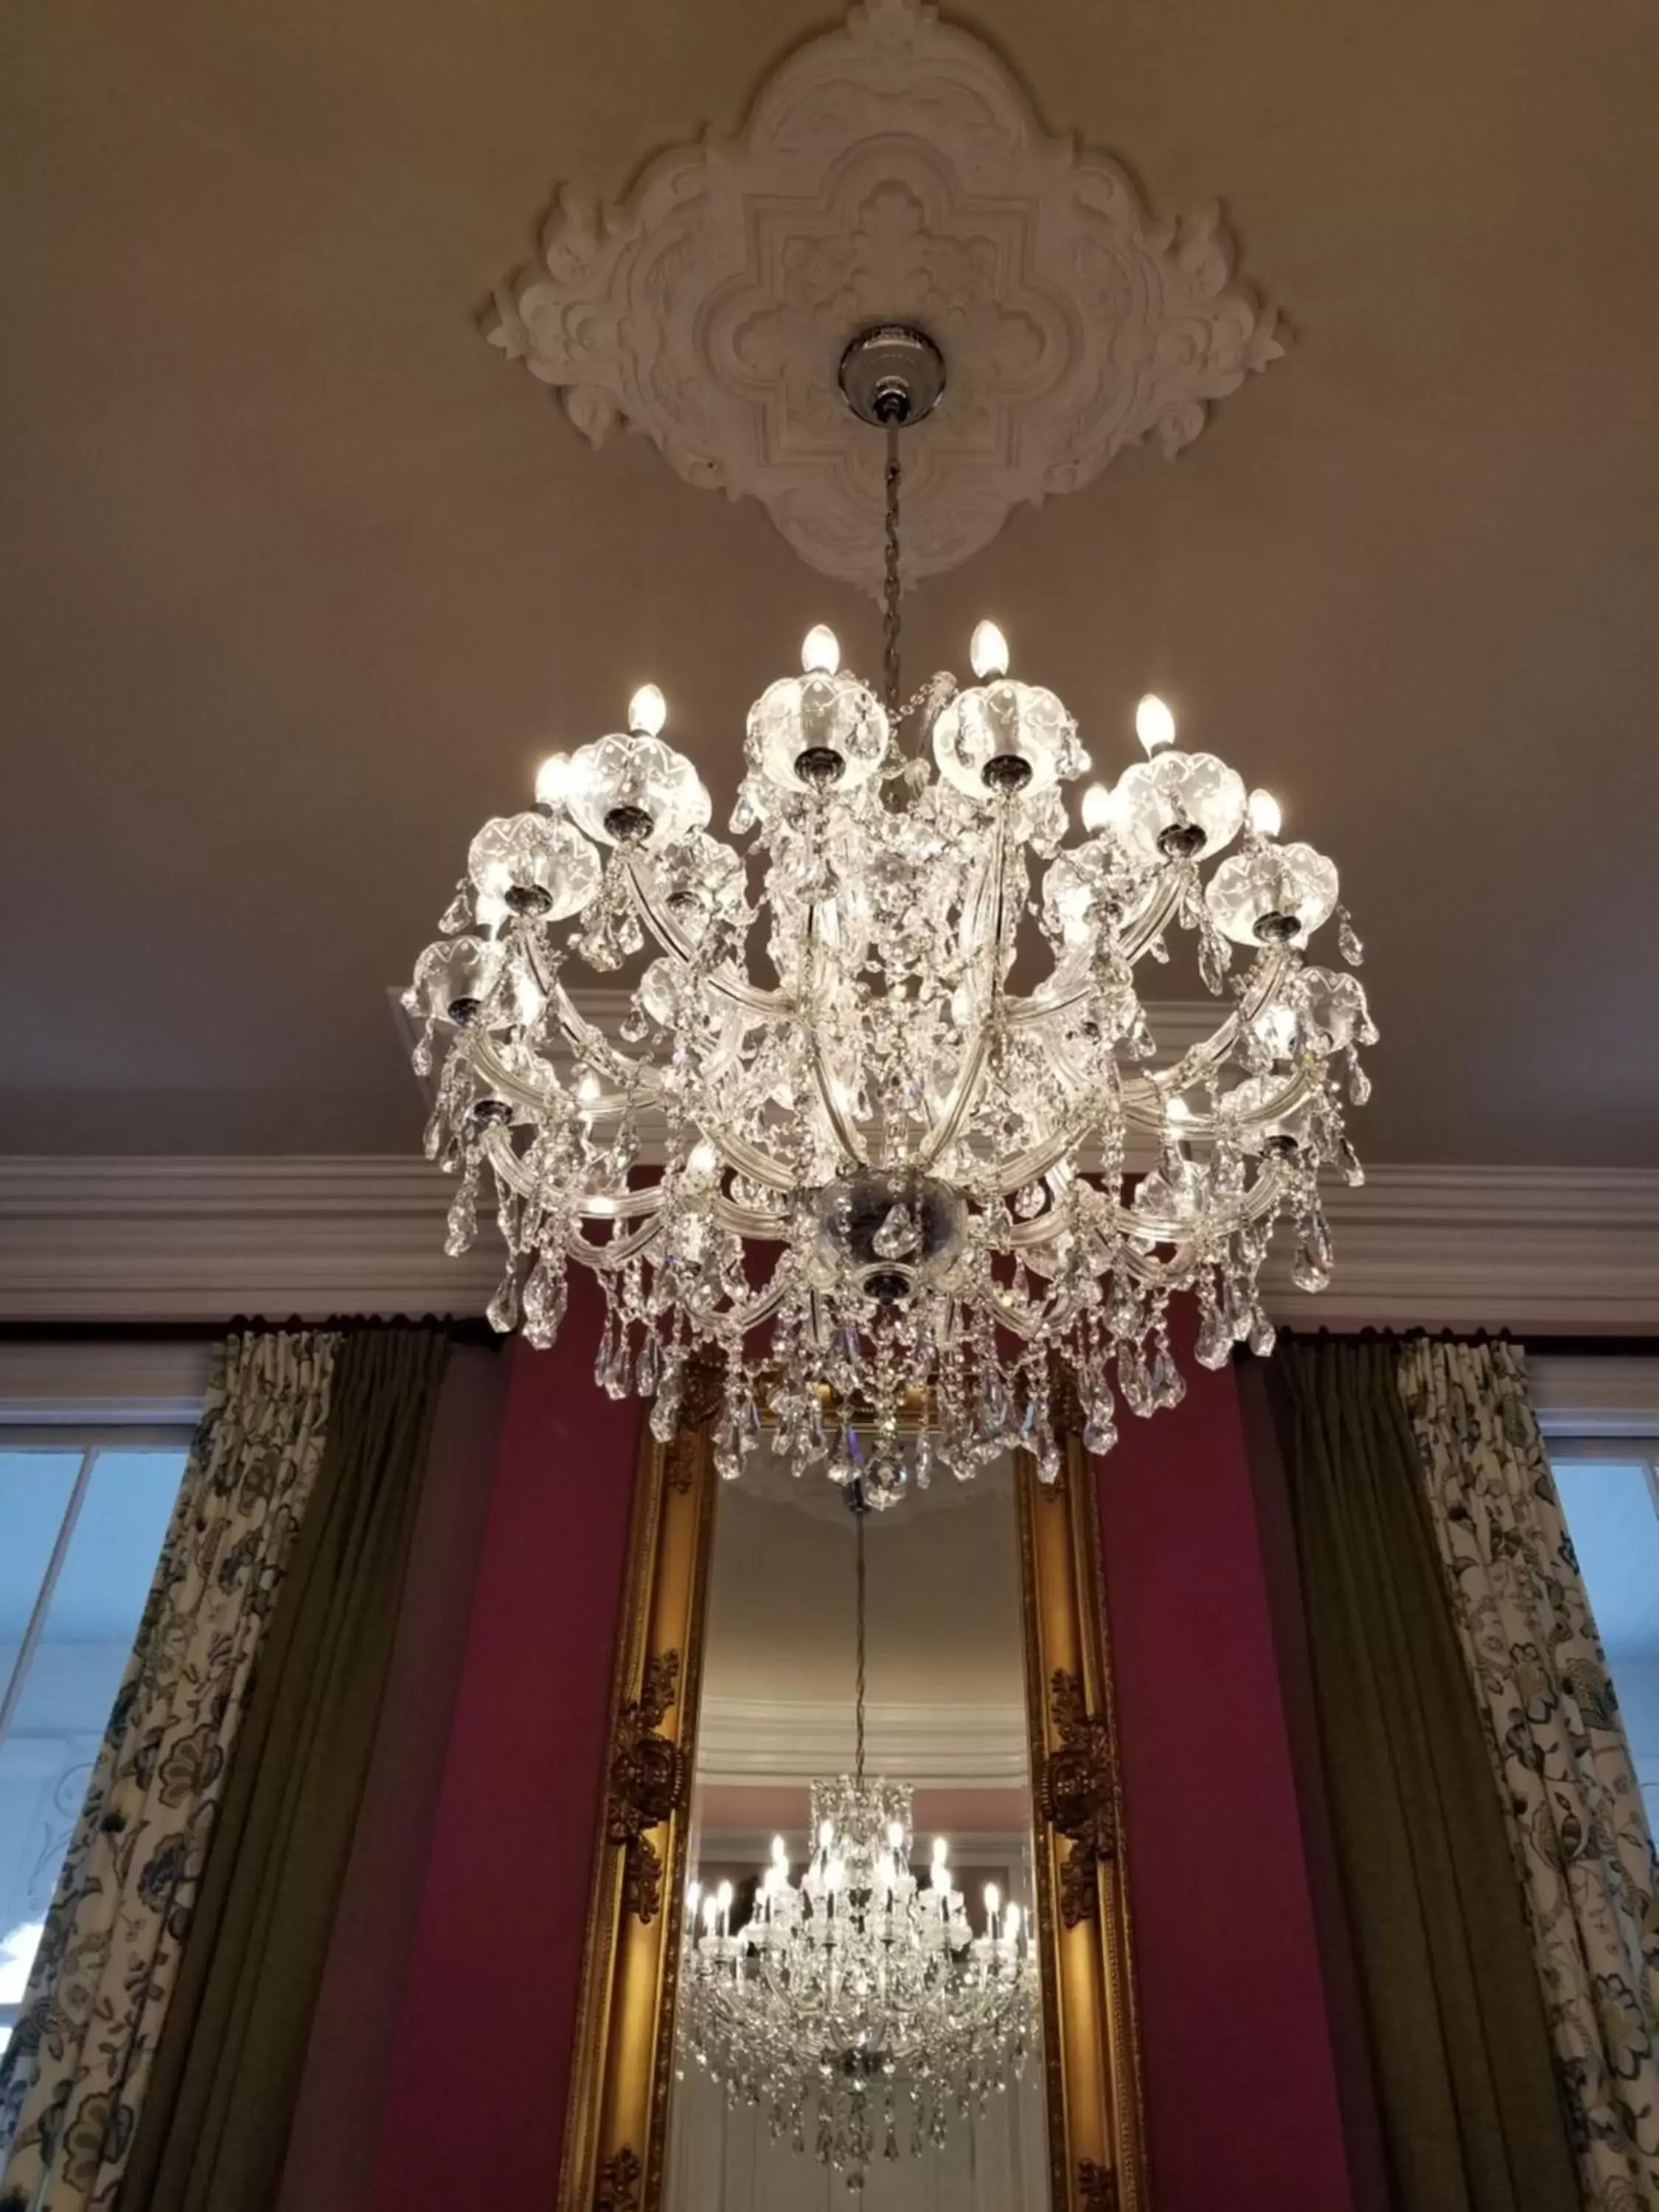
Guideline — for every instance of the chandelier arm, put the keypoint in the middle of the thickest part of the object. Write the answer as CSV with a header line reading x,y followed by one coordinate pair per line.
x,y
534,1095
748,1159
1028,1327
506,1082
747,1221
1300,1082
772,1005
1153,918
1116,1233
629,1205
743,1318
1138,935
1200,1060
591,1044
841,1127
618,1253
862,1573
635,1076
962,1092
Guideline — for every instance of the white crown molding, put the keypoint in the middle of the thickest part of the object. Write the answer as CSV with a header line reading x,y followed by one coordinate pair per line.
x,y
1546,1249
104,1385
891,170
1575,1395
760,1739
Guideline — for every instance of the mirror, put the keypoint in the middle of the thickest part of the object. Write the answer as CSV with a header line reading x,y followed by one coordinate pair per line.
x,y
860,2006
889,2001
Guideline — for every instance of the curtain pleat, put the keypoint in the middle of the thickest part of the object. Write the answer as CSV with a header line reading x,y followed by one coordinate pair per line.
x,y
77,2070
213,2131
1556,1748
1471,2115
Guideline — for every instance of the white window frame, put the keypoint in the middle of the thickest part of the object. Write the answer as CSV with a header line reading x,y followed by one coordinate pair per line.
x,y
91,1395
1578,1397
1604,1409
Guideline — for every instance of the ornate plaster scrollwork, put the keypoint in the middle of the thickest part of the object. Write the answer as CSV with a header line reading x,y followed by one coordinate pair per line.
x,y
891,170
619,2189
700,1400
1075,1796
648,1781
1096,2187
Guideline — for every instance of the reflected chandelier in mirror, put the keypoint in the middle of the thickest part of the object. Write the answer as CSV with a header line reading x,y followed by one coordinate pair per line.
x,y
858,1993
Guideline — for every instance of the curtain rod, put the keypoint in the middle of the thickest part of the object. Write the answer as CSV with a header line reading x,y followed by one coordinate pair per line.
x,y
461,1328
1547,1347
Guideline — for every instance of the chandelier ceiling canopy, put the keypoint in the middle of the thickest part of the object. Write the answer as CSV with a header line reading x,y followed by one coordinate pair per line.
x,y
893,164
879,1164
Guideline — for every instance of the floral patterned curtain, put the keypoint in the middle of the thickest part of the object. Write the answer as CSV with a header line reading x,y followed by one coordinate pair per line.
x,y
1577,1825
73,2076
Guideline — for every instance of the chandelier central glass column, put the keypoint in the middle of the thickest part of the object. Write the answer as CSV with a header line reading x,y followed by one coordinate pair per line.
x,y
857,2006
831,1142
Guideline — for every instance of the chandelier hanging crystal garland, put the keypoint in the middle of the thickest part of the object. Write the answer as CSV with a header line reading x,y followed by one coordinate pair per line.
x,y
858,1988
882,1167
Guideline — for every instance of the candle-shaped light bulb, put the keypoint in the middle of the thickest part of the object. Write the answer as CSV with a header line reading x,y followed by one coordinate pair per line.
x,y
941,1850
1097,808
703,1159
553,780
711,1913
895,1835
724,1894
1155,724
647,710
1010,1920
1176,1110
988,650
992,1905
589,1089
820,651
826,1834
1265,818
693,1891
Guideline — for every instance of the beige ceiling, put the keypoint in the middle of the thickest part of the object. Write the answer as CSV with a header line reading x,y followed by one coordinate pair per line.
x,y
942,1597
298,579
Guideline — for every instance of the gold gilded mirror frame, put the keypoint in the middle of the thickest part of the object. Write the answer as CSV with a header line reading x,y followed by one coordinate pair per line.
x,y
617,2123
1090,2021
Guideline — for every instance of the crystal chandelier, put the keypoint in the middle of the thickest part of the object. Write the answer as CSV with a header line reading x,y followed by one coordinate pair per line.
x,y
881,1166
858,1986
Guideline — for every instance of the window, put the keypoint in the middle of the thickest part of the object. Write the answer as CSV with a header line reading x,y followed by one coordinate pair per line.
x,y
93,1444
1610,1489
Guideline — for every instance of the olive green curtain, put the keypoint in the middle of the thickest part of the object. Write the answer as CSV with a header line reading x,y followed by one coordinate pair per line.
x,y
1471,2114
214,2127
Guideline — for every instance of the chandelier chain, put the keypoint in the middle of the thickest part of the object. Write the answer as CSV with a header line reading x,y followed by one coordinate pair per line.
x,y
890,584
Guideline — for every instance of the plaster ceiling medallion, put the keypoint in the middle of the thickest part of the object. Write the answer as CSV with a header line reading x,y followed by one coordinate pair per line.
x,y
891,171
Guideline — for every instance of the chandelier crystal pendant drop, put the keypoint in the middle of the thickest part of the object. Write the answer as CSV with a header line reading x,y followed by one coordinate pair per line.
x,y
858,1997
880,1167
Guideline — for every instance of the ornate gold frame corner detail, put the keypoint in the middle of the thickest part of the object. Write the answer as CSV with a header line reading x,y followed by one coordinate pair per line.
x,y
1091,2041
615,2123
